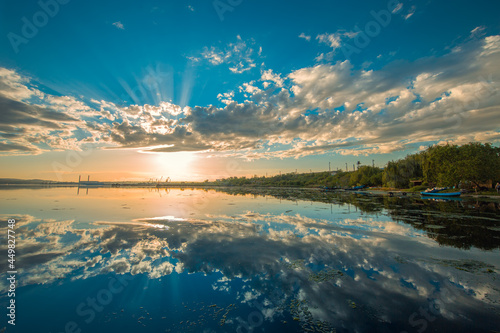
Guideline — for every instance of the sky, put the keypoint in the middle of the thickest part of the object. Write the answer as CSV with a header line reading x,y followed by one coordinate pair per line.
x,y
195,90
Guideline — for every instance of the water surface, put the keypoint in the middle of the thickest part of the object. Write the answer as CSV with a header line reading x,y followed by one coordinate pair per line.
x,y
173,260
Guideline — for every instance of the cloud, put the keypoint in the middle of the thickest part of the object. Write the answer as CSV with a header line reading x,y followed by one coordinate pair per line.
x,y
410,12
119,25
269,75
240,55
478,31
30,118
397,8
304,36
12,147
334,40
312,110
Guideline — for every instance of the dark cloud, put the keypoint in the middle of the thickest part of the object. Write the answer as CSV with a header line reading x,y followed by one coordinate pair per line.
x,y
8,147
19,113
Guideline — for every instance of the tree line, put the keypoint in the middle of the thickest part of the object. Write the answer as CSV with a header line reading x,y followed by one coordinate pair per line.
x,y
468,165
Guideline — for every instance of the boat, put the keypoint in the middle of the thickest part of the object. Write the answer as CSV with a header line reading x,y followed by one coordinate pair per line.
x,y
330,189
355,188
439,194
435,189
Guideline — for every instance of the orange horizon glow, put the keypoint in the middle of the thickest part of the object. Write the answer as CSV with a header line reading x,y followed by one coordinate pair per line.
x,y
122,165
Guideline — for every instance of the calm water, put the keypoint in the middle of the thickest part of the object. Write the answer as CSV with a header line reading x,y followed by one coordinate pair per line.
x,y
142,260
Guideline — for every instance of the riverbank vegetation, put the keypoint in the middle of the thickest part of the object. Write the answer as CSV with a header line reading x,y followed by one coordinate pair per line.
x,y
466,166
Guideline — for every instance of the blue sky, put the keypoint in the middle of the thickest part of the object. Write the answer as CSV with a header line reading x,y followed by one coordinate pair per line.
x,y
281,85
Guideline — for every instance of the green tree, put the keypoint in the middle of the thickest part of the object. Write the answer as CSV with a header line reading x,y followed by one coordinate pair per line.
x,y
450,165
398,174
366,175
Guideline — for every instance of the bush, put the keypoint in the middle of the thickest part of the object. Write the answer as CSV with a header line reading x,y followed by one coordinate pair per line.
x,y
419,188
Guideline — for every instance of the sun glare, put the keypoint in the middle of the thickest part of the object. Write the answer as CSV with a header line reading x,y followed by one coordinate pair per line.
x,y
176,166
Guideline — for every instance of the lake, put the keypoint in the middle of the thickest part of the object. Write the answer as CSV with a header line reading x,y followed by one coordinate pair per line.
x,y
193,260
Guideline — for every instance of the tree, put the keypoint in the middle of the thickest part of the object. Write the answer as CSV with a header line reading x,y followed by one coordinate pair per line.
x,y
366,175
478,163
450,165
398,174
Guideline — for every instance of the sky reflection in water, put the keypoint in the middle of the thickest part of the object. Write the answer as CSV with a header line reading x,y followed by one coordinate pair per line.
x,y
208,261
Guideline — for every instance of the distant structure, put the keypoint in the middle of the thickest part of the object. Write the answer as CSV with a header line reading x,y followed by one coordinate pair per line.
x,y
88,182
416,182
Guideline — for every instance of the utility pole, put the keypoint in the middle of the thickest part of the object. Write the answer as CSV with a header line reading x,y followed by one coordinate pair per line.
x,y
373,163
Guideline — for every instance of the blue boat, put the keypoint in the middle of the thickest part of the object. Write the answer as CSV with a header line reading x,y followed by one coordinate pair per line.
x,y
438,194
355,188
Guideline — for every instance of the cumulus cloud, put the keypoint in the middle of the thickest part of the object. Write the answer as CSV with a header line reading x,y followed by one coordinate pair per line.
x,y
269,75
32,121
312,110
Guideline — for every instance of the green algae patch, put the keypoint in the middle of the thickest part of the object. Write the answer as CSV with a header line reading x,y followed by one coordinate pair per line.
x,y
325,275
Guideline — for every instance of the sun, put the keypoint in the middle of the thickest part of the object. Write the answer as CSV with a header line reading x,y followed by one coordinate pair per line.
x,y
177,166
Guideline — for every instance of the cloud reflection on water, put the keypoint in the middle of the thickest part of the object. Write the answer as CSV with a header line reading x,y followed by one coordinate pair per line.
x,y
387,267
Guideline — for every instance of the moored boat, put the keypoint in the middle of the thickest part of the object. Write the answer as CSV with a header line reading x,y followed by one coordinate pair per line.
x,y
355,188
439,194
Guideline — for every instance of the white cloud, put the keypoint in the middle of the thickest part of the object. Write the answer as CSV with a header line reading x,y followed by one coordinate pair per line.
x,y
410,12
491,45
269,75
119,25
240,56
397,8
214,56
304,36
333,40
226,98
478,31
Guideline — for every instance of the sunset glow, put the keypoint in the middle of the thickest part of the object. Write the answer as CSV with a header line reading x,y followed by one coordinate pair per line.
x,y
183,90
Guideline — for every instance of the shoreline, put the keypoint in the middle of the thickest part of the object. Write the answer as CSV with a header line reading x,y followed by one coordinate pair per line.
x,y
374,191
